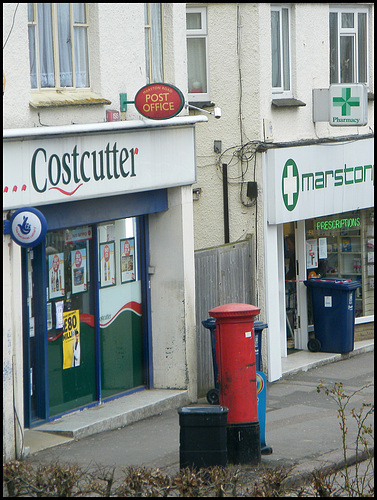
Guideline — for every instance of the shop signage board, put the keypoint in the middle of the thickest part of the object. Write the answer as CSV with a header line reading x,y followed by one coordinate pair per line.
x,y
159,101
317,180
56,169
348,104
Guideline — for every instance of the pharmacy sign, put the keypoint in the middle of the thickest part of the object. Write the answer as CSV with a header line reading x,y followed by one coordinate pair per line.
x,y
348,105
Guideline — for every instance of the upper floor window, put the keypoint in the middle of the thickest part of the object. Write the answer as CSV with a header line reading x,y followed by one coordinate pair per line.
x,y
197,64
280,50
58,45
153,42
348,45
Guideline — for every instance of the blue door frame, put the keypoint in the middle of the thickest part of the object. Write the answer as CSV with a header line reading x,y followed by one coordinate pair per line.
x,y
91,213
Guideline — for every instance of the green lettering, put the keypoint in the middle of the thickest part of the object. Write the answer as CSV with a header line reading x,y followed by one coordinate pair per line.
x,y
75,155
83,176
107,151
328,172
132,163
66,168
338,178
58,169
319,181
101,174
33,168
358,169
367,167
115,151
346,170
123,158
307,177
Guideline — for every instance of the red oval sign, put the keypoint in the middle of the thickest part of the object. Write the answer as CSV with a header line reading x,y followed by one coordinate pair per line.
x,y
159,101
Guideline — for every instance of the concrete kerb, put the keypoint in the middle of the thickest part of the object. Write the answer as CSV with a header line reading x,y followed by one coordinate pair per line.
x,y
332,461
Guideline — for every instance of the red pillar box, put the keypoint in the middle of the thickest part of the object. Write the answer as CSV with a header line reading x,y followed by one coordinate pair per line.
x,y
235,352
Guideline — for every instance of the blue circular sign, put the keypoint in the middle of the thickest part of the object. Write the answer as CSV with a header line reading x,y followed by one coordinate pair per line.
x,y
28,227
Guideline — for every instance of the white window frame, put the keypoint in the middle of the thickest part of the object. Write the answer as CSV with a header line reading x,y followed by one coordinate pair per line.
x,y
85,25
200,33
279,91
351,32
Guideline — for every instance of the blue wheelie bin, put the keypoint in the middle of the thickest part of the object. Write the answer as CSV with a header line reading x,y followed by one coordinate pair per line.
x,y
333,314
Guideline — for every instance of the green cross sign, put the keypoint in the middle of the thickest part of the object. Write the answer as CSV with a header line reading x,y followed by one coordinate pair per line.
x,y
346,101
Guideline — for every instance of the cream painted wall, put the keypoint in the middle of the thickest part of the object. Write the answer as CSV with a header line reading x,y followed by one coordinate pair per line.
x,y
239,58
117,65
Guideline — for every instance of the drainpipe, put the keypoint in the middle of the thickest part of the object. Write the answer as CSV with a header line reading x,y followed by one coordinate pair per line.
x,y
225,202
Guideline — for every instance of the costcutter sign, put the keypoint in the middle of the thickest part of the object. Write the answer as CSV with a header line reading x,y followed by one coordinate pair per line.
x,y
314,181
58,169
159,101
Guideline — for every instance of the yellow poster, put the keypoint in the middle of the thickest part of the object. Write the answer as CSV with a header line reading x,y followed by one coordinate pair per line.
x,y
71,339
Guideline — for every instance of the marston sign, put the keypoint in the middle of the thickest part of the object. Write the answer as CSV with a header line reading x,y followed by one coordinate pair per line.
x,y
159,101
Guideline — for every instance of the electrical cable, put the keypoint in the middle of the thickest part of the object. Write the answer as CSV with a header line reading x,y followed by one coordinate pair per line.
x,y
11,28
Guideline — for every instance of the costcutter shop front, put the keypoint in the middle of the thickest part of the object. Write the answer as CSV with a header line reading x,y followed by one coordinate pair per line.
x,y
104,305
318,222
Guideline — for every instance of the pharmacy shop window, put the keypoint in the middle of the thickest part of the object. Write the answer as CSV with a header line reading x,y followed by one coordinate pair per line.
x,y
342,246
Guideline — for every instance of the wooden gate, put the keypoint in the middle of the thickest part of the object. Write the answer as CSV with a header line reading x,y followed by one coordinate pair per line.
x,y
223,275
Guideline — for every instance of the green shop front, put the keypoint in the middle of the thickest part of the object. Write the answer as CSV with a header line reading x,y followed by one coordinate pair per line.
x,y
86,288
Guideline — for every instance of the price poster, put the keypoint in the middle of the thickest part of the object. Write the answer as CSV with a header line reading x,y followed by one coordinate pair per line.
x,y
71,339
127,260
107,264
311,254
56,275
78,267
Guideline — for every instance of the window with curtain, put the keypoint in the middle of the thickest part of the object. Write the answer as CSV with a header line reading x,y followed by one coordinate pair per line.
x,y
348,30
197,65
58,45
153,42
280,50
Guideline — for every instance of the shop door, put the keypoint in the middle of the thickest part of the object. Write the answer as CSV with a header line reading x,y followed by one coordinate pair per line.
x,y
290,284
120,307
71,343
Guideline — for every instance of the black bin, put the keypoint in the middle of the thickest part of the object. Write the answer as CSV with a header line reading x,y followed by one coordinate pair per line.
x,y
202,436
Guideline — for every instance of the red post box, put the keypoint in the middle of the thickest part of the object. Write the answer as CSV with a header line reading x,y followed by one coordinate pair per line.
x,y
235,352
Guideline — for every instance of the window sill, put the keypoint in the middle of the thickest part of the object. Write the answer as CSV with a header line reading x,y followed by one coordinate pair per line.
x,y
202,104
57,98
287,103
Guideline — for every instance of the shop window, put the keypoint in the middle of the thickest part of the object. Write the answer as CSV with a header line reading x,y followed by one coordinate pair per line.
x,y
153,42
280,51
342,246
197,50
348,45
58,45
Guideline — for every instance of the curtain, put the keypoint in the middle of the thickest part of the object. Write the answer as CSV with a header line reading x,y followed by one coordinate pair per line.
x,y
275,48
196,65
65,45
46,56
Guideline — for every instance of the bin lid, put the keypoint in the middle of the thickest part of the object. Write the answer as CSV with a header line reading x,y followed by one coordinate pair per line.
x,y
335,284
259,325
209,323
203,410
234,310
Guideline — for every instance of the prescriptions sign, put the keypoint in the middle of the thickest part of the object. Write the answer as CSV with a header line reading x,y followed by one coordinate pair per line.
x,y
159,101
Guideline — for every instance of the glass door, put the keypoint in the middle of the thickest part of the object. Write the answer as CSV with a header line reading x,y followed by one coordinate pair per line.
x,y
120,307
70,319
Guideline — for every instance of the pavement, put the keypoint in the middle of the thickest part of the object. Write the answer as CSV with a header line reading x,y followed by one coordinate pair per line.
x,y
142,429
